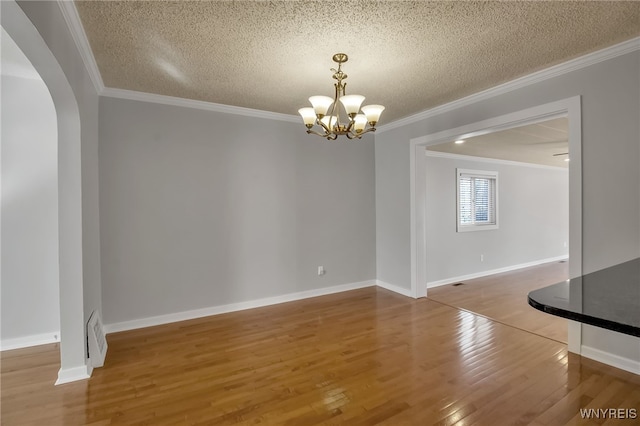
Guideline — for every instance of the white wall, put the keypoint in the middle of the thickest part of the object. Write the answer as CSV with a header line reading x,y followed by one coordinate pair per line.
x,y
610,94
48,19
200,209
533,205
30,313
40,30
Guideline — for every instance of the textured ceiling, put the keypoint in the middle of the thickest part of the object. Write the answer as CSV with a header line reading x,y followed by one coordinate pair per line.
x,y
407,55
534,143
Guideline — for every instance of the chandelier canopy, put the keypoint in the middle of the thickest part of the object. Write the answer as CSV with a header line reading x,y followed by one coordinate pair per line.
x,y
326,111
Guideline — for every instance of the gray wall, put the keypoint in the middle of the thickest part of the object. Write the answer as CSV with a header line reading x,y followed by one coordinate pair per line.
x,y
610,93
329,207
533,208
29,283
201,209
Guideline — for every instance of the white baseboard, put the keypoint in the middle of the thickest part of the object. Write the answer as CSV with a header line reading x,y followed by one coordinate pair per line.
x,y
28,341
626,364
494,271
396,289
72,374
215,310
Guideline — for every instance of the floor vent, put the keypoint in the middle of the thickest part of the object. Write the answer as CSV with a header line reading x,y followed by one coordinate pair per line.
x,y
96,340
457,284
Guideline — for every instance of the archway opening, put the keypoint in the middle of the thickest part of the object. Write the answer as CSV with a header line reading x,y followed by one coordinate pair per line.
x,y
30,273
73,354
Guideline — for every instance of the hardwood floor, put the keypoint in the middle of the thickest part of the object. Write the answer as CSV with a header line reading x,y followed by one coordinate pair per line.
x,y
362,357
503,297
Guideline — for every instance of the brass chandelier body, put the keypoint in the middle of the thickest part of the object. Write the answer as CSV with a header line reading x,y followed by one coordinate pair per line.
x,y
326,111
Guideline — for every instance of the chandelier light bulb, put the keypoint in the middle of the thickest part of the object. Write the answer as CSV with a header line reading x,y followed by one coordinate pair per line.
x,y
373,113
321,104
360,122
308,116
352,104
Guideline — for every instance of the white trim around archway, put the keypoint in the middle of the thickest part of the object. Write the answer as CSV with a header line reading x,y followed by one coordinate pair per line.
x,y
73,364
570,108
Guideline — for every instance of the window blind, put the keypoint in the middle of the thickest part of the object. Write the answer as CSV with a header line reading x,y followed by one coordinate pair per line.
x,y
477,204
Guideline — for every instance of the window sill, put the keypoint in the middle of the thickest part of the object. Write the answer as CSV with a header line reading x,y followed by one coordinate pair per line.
x,y
471,228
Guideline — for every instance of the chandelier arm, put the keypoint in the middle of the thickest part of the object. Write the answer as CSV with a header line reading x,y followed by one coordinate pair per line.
x,y
359,135
335,113
351,135
352,121
313,132
335,105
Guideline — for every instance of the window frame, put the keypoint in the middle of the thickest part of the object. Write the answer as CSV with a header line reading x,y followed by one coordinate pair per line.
x,y
479,174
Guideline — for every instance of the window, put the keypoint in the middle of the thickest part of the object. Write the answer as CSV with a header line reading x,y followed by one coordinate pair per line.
x,y
477,200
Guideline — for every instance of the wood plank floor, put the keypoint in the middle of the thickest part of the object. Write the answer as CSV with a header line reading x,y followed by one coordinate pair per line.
x,y
362,357
503,297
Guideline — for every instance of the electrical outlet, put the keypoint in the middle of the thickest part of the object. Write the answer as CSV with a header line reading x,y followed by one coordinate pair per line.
x,y
482,258
321,271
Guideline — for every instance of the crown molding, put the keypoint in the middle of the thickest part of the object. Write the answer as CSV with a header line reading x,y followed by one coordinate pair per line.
x,y
462,157
71,17
70,14
589,59
191,103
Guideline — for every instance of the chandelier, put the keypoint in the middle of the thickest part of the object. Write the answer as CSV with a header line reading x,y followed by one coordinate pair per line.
x,y
326,111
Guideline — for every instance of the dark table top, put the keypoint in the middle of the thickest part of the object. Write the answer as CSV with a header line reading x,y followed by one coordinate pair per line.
x,y
609,298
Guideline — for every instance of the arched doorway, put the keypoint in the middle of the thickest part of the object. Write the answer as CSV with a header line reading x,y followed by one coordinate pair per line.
x,y
30,271
72,331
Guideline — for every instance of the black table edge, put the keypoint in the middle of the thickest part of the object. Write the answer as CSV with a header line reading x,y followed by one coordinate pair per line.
x,y
586,319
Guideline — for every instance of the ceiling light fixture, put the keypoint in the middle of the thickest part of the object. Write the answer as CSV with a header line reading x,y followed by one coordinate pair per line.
x,y
326,111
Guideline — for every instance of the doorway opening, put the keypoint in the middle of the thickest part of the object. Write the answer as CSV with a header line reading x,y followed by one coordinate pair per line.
x,y
73,354
498,221
569,109
30,271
